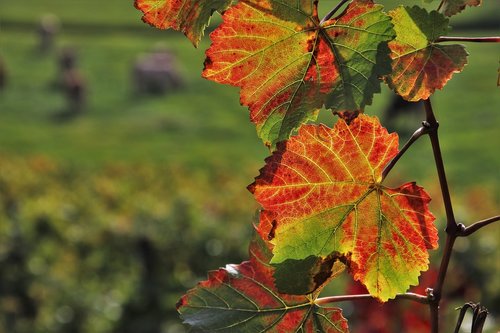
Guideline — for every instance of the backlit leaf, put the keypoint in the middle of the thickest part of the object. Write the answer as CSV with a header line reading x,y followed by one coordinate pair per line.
x,y
288,64
452,7
189,16
242,298
299,277
323,189
419,65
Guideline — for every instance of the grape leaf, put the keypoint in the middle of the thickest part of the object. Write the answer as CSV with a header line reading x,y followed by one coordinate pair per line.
x,y
242,298
188,16
288,64
300,277
452,7
324,190
419,65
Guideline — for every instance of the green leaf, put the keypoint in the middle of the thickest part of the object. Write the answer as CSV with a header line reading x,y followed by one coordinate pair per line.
x,y
299,277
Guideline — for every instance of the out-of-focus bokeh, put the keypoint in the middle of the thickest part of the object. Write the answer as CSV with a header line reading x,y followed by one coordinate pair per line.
x,y
123,172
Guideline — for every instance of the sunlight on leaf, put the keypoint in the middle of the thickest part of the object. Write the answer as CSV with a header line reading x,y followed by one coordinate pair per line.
x,y
288,64
323,190
419,65
189,16
242,298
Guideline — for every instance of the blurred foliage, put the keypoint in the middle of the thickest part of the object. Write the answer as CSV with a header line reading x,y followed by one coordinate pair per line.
x,y
110,250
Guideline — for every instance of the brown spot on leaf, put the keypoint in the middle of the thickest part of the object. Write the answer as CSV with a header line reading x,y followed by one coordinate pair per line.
x,y
272,232
181,302
208,62
347,116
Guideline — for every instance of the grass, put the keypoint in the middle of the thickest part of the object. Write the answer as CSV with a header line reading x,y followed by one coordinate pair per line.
x,y
203,124
110,13
114,13
190,126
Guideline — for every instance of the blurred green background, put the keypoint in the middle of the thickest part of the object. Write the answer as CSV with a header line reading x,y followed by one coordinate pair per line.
x,y
108,216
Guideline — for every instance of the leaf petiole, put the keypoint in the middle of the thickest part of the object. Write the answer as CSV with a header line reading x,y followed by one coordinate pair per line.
x,y
493,39
333,11
423,299
415,136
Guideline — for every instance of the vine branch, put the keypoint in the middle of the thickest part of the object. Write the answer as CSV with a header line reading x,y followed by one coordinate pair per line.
x,y
493,39
423,299
466,231
433,125
452,228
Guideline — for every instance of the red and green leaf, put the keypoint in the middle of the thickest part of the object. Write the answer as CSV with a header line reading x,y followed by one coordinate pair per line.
x,y
288,64
323,189
242,298
452,7
189,16
419,65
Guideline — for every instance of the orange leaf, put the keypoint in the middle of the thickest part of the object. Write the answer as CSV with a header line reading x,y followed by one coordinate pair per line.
x,y
188,16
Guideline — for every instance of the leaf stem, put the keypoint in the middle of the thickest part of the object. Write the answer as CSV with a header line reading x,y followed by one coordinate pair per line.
x,y
493,39
415,136
333,11
466,231
440,5
423,299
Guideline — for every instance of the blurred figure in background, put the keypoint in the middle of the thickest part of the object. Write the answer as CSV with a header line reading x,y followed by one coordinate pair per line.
x,y
71,82
3,74
155,72
47,31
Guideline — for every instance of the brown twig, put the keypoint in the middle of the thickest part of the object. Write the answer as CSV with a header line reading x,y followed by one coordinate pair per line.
x,y
452,228
478,225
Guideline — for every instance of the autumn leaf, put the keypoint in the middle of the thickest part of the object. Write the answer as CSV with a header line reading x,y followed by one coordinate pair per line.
x,y
323,189
452,7
419,65
189,16
288,64
242,298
